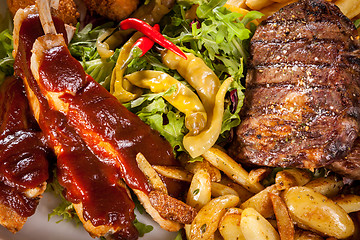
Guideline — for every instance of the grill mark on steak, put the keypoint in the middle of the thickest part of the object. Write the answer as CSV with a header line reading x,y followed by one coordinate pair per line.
x,y
285,31
302,104
308,76
310,52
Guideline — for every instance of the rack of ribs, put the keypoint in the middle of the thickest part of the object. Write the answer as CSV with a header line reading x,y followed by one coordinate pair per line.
x,y
24,157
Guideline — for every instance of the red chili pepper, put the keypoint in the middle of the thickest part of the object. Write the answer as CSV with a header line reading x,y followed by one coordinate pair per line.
x,y
140,47
145,43
147,30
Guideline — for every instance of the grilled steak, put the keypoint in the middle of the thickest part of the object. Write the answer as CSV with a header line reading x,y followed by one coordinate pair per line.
x,y
302,100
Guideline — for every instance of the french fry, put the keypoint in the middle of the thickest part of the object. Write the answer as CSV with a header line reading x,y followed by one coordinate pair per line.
x,y
207,220
229,225
232,169
150,173
173,173
199,192
269,10
281,1
258,174
318,213
284,222
218,189
349,8
243,193
350,202
261,202
292,177
236,3
254,226
155,215
329,186
193,167
257,4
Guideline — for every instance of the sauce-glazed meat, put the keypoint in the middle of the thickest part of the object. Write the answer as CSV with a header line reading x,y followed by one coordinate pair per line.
x,y
302,100
23,157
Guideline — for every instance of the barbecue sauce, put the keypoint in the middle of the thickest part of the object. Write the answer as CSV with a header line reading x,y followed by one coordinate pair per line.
x,y
87,179
98,117
23,154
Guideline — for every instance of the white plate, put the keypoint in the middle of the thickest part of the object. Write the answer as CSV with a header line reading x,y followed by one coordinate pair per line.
x,y
38,227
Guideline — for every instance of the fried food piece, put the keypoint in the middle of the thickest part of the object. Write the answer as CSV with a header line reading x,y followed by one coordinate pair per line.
x,y
66,10
112,9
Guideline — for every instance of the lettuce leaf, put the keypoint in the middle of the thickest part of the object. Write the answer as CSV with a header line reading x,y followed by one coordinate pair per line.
x,y
83,47
65,209
220,39
6,58
357,23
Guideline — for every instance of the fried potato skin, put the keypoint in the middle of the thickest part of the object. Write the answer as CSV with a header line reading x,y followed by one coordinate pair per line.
x,y
67,10
112,9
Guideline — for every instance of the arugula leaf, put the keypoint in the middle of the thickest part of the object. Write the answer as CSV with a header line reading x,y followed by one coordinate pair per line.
x,y
357,23
6,58
65,209
83,47
160,116
205,9
142,228
178,236
230,119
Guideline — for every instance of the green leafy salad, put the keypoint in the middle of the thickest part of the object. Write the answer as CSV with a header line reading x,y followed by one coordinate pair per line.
x,y
217,36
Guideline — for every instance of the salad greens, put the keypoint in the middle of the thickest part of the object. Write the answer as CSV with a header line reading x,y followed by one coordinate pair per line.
x,y
357,23
6,58
220,39
217,36
83,47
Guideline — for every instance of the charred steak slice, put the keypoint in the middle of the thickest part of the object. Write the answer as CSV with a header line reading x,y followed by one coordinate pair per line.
x,y
302,100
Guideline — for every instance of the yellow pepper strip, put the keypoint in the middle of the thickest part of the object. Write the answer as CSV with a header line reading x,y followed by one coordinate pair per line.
x,y
182,98
197,74
199,144
119,87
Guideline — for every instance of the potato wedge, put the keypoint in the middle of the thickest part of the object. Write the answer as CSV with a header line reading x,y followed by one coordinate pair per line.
x,y
193,167
199,192
329,186
258,174
350,8
284,222
261,202
229,226
232,169
255,226
218,189
150,173
207,220
273,8
236,3
317,212
257,4
173,173
350,202
292,177
243,193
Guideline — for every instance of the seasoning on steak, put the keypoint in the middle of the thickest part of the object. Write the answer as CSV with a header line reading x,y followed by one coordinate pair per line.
x,y
303,94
